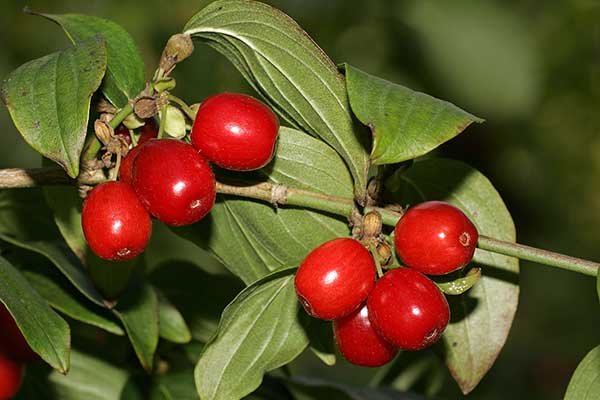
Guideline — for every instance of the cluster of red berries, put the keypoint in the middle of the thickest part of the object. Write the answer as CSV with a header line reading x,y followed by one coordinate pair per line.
x,y
402,310
172,180
14,354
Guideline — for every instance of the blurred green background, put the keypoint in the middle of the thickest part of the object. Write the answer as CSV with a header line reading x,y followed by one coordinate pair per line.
x,y
530,68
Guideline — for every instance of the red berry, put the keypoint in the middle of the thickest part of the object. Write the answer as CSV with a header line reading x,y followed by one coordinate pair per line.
x,y
123,132
148,131
435,238
408,309
12,342
359,343
335,278
173,181
235,131
11,376
126,168
115,224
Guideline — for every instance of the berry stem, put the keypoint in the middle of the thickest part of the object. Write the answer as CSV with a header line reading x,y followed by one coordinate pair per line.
x,y
114,174
163,121
183,106
281,195
121,115
134,141
373,251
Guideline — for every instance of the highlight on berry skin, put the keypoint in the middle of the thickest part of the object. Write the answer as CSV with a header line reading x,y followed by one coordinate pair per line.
x,y
335,278
235,131
407,309
358,341
435,238
115,223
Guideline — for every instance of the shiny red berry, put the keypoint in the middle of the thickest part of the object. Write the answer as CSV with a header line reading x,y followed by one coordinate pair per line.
x,y
408,309
173,181
435,238
12,342
359,343
115,224
126,168
235,131
11,376
148,131
335,278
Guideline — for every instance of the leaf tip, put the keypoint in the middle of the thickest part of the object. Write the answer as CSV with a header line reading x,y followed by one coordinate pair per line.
x,y
72,169
64,365
466,386
147,364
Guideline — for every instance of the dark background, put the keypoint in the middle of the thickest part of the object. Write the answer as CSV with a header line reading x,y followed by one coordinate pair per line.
x,y
530,68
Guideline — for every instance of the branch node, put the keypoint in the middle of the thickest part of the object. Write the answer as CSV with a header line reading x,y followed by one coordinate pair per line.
x,y
279,195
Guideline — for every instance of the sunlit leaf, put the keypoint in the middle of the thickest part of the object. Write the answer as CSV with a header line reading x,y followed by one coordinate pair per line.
x,y
125,68
259,331
49,100
285,66
405,124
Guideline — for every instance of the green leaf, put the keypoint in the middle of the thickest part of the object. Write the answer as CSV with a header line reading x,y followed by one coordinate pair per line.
x,y
193,350
175,386
285,66
585,382
89,378
125,68
305,388
259,331
67,205
26,222
482,317
172,326
131,391
421,372
70,266
322,344
46,333
23,214
58,294
49,100
460,285
252,238
138,311
159,252
405,124
199,296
